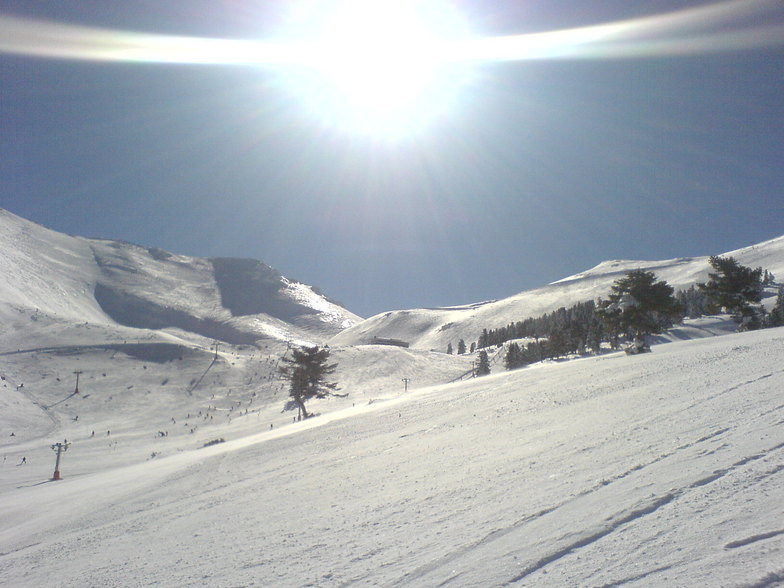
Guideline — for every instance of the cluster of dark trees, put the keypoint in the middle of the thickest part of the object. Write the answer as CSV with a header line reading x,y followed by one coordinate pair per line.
x,y
461,347
638,305
572,330
694,302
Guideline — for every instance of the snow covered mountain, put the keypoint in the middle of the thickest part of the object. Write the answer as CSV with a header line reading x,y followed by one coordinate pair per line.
x,y
184,467
242,301
434,328
103,282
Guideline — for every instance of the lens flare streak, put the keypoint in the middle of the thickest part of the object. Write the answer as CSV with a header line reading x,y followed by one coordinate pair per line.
x,y
708,29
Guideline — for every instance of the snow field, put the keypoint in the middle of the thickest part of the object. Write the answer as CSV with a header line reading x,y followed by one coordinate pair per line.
x,y
663,469
659,469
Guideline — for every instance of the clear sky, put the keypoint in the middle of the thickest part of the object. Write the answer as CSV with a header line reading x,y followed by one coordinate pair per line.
x,y
515,172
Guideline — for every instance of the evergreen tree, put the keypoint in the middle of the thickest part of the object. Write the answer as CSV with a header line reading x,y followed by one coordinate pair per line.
x,y
735,288
557,344
473,346
514,357
595,333
461,347
512,352
776,317
483,367
449,348
576,324
307,373
483,339
640,305
694,301
534,352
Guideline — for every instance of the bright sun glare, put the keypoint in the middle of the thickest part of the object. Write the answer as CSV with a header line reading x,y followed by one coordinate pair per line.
x,y
387,68
381,67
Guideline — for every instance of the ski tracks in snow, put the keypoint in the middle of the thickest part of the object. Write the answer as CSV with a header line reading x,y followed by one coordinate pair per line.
x,y
583,521
629,516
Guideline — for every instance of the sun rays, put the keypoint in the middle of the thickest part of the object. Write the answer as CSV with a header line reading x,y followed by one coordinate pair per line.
x,y
379,67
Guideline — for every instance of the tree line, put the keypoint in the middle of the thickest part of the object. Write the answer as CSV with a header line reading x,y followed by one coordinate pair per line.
x,y
637,306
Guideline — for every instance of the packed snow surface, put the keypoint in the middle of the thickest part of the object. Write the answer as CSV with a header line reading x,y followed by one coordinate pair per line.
x,y
663,469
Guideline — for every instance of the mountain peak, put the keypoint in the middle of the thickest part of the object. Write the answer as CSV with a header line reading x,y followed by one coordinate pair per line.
x,y
106,281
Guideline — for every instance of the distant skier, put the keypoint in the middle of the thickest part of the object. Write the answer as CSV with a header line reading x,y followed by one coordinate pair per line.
x,y
23,462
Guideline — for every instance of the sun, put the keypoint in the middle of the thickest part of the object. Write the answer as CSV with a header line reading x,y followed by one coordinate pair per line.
x,y
382,67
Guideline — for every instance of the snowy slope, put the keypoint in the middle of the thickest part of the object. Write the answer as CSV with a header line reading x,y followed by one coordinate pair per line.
x,y
136,382
139,324
435,328
110,282
664,469
660,469
47,271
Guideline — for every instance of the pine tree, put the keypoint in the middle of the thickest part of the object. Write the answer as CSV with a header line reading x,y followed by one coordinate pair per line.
x,y
461,347
514,357
307,371
595,333
483,367
694,301
557,344
640,305
534,351
449,348
735,288
776,317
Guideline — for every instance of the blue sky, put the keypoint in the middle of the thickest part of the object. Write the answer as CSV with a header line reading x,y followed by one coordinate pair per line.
x,y
538,170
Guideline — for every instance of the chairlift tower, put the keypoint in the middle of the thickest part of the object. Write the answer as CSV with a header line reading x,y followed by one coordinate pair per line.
x,y
59,448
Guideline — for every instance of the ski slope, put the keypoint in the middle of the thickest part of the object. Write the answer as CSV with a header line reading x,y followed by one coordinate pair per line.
x,y
663,469
185,466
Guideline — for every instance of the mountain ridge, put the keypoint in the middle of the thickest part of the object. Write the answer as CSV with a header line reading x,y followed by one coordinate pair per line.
x,y
244,300
107,281
434,328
